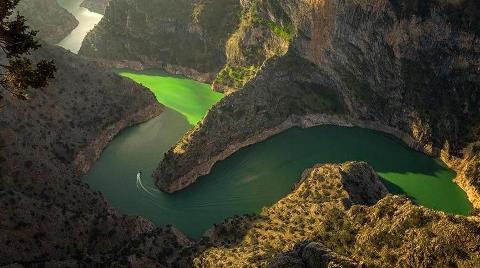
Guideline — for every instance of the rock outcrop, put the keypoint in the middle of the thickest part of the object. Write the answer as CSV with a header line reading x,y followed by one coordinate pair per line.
x,y
342,229
409,69
46,144
311,255
181,36
97,6
52,22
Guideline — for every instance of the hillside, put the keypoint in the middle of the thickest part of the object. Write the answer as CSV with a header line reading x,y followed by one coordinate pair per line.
x,y
406,68
52,22
46,144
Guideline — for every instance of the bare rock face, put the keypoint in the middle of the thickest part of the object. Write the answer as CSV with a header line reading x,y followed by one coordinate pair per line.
x,y
185,36
46,144
404,68
97,6
52,22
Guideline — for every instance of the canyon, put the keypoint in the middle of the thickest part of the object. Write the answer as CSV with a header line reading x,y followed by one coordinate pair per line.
x,y
409,69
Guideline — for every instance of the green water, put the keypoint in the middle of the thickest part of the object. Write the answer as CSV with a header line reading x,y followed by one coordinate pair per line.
x,y
258,175
193,104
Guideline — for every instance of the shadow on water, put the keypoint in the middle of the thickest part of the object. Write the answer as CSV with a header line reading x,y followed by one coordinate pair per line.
x,y
259,175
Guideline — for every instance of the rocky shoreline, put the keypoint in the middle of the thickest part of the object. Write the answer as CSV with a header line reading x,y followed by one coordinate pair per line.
x,y
168,68
314,120
89,155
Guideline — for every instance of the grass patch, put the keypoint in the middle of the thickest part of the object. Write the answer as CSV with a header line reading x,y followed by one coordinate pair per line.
x,y
236,77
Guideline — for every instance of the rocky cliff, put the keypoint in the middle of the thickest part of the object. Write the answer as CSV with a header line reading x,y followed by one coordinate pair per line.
x,y
52,22
181,36
323,223
46,144
408,68
97,6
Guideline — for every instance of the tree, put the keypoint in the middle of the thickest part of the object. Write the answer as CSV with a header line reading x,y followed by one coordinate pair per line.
x,y
17,40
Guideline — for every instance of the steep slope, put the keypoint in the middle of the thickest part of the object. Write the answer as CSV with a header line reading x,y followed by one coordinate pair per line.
x,y
46,144
97,6
336,205
183,36
51,20
408,70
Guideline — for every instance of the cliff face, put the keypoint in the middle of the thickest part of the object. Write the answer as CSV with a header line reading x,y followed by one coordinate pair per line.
x,y
46,144
406,68
342,228
97,6
183,34
51,20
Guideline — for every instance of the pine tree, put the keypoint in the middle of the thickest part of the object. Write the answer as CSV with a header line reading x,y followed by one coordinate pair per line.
x,y
17,40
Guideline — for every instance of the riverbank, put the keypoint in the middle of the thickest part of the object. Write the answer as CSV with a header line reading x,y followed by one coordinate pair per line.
x,y
309,121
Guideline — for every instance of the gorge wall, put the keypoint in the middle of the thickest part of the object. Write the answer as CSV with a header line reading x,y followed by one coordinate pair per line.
x,y
183,36
52,22
410,69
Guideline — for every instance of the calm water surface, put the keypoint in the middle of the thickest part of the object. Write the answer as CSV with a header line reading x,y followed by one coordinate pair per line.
x,y
258,175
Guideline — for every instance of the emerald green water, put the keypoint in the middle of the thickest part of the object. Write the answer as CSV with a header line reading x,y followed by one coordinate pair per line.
x,y
259,175
188,97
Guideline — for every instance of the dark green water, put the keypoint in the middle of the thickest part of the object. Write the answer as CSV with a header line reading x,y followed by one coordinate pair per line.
x,y
259,175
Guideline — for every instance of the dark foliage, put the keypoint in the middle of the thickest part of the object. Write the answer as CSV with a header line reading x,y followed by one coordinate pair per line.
x,y
16,42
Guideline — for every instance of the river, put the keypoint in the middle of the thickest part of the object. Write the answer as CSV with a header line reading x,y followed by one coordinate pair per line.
x,y
256,176
87,20
252,178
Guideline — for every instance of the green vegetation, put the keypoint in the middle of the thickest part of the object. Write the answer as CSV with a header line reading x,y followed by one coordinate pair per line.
x,y
190,98
245,58
286,32
236,76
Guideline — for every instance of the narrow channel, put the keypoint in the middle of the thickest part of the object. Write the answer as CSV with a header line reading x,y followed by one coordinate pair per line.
x,y
87,21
